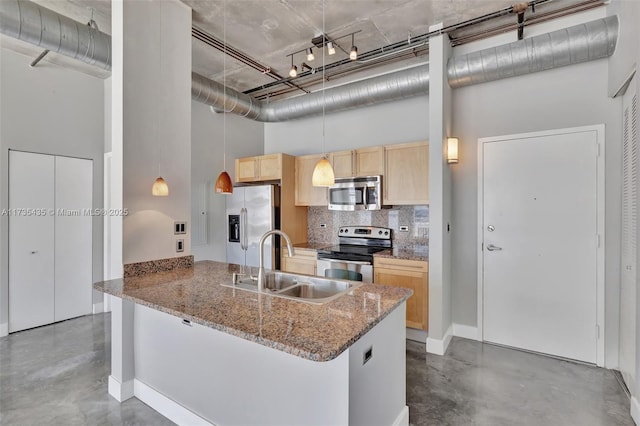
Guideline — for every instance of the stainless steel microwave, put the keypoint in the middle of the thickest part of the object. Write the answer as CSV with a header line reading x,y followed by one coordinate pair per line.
x,y
357,193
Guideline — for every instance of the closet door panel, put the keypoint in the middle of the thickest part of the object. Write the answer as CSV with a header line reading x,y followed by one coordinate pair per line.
x,y
31,240
73,242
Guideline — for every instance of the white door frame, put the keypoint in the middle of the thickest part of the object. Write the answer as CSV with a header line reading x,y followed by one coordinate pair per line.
x,y
600,132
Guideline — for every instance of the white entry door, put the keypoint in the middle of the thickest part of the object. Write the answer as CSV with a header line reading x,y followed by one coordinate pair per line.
x,y
539,233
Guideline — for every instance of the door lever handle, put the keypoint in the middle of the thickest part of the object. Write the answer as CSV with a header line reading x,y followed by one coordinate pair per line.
x,y
491,247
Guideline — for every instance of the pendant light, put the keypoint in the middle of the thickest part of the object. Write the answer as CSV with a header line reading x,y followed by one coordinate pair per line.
x,y
223,183
323,172
160,187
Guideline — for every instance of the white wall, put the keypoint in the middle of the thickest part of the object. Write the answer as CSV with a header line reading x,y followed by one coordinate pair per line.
x,y
156,127
393,122
244,138
566,97
51,110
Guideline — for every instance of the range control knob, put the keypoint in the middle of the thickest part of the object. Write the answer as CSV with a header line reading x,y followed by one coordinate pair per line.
x,y
346,230
379,232
386,232
341,231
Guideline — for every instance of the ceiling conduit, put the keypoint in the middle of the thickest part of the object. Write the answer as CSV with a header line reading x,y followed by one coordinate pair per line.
x,y
568,46
43,27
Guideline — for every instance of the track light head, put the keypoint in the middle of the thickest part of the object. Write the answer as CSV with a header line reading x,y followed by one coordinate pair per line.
x,y
353,55
293,72
331,50
310,55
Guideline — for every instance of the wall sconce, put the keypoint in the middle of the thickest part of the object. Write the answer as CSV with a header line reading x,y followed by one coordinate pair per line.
x,y
452,150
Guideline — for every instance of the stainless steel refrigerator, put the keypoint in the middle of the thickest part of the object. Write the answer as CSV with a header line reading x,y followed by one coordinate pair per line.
x,y
252,211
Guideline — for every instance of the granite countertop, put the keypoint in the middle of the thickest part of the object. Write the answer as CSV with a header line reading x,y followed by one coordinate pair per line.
x,y
311,246
404,254
315,332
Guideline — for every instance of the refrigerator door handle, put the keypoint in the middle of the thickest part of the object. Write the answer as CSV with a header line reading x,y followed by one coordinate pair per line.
x,y
243,229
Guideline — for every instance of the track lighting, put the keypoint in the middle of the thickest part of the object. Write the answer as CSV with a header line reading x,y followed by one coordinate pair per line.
x,y
331,50
310,55
353,55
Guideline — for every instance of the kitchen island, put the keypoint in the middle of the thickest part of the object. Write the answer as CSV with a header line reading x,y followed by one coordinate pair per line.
x,y
202,353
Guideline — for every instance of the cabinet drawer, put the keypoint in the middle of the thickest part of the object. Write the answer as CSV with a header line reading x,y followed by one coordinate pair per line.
x,y
401,264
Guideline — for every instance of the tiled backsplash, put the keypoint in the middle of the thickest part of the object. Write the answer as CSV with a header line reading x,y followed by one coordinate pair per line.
x,y
416,218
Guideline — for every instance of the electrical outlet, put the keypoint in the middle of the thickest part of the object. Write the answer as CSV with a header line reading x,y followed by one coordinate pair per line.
x,y
180,245
179,228
404,228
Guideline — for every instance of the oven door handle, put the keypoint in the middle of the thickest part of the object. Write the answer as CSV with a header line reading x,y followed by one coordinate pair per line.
x,y
353,262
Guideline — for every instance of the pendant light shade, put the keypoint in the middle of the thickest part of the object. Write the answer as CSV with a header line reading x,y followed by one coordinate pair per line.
x,y
223,184
160,188
323,173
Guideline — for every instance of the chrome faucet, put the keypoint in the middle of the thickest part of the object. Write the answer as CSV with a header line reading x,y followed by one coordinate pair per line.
x,y
261,277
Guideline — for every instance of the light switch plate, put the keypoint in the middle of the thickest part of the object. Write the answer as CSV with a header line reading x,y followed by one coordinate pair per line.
x,y
180,245
404,228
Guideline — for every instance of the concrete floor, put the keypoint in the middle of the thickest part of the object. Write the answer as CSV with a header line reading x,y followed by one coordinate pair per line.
x,y
57,375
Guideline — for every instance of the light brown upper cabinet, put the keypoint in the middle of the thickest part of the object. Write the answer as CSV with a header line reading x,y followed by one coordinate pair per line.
x,y
406,176
342,162
307,194
260,168
370,161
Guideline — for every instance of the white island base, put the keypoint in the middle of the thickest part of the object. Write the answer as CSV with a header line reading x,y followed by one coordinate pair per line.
x,y
196,375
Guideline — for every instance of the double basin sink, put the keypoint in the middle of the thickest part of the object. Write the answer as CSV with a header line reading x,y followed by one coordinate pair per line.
x,y
304,288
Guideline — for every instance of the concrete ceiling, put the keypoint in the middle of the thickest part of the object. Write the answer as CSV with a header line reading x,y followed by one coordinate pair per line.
x,y
269,30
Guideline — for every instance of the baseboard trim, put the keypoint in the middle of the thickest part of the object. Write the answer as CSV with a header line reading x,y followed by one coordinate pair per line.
x,y
417,335
439,346
167,407
98,308
120,391
635,410
4,329
403,417
465,331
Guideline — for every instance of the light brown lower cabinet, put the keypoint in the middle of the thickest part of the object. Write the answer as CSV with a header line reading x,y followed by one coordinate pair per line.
x,y
304,261
410,274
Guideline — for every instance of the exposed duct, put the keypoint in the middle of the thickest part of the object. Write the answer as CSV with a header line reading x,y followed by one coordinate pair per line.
x,y
388,87
573,45
43,27
32,23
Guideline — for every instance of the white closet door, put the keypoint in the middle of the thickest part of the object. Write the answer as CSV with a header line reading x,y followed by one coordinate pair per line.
x,y
31,240
73,241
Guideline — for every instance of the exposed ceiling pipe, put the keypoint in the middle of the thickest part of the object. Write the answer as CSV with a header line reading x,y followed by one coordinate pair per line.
x,y
43,27
398,85
580,43
32,23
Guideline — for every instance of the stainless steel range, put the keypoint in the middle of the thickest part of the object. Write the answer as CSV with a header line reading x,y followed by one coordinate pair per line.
x,y
353,258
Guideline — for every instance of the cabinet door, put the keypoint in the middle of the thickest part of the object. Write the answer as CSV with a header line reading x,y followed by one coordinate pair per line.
x,y
246,169
342,162
73,245
406,178
307,194
31,240
416,304
370,161
269,167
